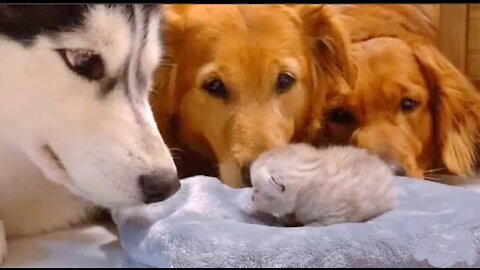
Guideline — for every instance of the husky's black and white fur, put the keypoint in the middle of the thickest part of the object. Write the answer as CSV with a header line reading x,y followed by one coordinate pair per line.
x,y
75,124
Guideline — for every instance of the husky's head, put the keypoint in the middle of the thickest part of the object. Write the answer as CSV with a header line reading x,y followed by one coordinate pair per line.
x,y
74,83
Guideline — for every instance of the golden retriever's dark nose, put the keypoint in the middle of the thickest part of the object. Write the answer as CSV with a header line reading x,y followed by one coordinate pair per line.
x,y
158,187
245,171
399,171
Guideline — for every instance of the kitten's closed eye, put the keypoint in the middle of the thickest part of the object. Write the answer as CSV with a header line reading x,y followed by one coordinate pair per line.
x,y
277,184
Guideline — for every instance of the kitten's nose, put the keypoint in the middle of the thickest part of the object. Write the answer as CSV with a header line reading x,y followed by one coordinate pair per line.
x,y
245,171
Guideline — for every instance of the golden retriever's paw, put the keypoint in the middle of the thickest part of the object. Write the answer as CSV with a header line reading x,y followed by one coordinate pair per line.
x,y
3,243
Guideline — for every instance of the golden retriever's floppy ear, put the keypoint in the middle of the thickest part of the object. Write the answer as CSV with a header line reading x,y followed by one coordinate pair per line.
x,y
455,108
163,97
334,68
328,38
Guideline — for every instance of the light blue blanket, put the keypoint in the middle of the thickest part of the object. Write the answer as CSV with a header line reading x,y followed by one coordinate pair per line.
x,y
207,224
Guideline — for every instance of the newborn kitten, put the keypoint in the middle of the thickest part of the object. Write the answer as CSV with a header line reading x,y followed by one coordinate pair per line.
x,y
301,184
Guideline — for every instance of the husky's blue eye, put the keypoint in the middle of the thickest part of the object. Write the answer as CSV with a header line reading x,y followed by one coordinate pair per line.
x,y
216,88
85,63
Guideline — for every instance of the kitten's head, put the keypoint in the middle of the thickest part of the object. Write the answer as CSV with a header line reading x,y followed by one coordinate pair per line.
x,y
278,175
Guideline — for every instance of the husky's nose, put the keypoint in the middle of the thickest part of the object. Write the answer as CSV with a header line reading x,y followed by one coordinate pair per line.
x,y
158,187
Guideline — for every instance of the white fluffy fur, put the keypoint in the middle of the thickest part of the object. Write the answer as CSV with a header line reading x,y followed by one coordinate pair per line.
x,y
101,143
322,186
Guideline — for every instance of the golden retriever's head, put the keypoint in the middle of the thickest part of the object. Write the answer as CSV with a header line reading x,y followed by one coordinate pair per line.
x,y
241,77
410,106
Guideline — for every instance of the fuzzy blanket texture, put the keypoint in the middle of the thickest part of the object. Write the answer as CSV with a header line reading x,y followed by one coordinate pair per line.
x,y
207,224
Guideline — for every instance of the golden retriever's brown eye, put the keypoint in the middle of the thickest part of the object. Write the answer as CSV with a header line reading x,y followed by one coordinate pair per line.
x,y
284,82
85,63
341,116
408,104
216,88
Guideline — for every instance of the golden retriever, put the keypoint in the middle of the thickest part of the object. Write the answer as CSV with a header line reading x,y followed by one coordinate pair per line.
x,y
242,79
410,106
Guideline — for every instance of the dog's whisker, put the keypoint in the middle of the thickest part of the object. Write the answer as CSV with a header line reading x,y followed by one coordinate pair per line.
x,y
432,178
177,150
436,170
167,61
167,64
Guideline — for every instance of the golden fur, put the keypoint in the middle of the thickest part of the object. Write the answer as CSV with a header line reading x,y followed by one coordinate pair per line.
x,y
365,21
395,58
246,47
441,130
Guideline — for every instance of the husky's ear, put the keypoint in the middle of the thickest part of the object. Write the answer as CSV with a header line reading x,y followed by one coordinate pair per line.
x,y
24,22
455,106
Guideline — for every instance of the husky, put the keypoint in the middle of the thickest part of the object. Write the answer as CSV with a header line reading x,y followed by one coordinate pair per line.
x,y
76,127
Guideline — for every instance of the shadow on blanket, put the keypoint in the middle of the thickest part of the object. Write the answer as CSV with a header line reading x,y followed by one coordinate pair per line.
x,y
207,224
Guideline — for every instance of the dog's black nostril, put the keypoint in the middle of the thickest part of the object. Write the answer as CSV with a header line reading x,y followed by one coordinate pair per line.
x,y
245,171
158,187
399,171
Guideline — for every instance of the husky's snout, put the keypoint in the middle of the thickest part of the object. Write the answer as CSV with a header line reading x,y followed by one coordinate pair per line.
x,y
83,118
